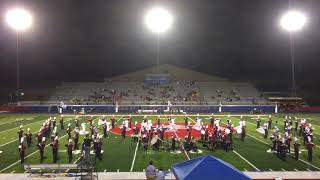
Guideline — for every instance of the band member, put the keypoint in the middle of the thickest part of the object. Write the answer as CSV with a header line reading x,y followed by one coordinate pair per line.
x,y
41,147
296,149
20,133
173,143
22,148
310,146
123,132
98,148
29,137
61,123
265,127
212,120
76,121
145,142
274,138
69,131
243,133
54,121
288,140
258,122
135,134
91,121
283,149
269,122
186,121
296,122
158,120
76,138
55,147
113,122
39,136
130,121
206,134
87,145
104,127
202,133
69,147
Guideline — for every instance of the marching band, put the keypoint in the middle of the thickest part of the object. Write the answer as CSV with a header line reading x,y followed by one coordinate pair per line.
x,y
164,137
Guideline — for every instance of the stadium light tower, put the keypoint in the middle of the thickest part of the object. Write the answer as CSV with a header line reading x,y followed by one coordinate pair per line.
x,y
158,20
293,21
19,20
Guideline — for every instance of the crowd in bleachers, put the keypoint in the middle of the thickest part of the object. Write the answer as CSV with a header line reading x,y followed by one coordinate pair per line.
x,y
177,92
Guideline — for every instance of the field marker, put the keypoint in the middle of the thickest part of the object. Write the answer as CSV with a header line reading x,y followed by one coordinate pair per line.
x,y
270,169
295,169
283,169
245,160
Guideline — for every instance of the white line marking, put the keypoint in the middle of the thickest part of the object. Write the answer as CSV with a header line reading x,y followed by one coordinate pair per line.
x,y
270,169
308,169
135,153
8,143
258,139
134,156
309,164
246,160
245,169
295,169
283,169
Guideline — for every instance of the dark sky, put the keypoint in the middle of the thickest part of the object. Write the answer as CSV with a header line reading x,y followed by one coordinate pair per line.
x,y
80,40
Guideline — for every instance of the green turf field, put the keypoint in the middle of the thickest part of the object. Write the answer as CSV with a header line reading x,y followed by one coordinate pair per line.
x,y
124,155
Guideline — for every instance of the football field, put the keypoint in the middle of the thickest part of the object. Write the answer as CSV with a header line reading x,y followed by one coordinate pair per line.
x,y
124,155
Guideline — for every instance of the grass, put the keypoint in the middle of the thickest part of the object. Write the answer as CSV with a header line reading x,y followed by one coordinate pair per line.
x,y
119,153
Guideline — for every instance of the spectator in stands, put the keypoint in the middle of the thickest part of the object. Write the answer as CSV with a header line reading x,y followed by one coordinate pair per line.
x,y
151,171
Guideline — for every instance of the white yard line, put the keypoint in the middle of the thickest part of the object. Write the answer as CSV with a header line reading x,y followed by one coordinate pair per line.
x,y
246,160
310,164
283,169
8,143
134,156
135,153
258,139
191,119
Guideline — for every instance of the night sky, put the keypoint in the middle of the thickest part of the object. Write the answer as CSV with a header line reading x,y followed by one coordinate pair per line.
x,y
87,40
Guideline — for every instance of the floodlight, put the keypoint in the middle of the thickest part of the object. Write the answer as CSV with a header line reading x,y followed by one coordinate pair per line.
x,y
293,20
19,19
158,20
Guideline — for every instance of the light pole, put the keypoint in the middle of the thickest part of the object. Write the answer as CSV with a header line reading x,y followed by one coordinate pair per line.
x,y
158,20
20,20
292,21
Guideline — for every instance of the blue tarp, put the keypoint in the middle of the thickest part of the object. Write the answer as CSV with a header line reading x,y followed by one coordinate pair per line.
x,y
207,167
